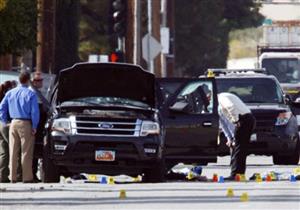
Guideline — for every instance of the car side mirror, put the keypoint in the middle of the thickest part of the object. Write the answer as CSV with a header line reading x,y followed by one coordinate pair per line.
x,y
179,106
288,99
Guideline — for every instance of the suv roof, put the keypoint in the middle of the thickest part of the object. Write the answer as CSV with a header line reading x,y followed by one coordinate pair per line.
x,y
251,85
237,73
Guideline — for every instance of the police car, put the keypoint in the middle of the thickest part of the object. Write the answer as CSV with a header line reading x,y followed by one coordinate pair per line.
x,y
276,131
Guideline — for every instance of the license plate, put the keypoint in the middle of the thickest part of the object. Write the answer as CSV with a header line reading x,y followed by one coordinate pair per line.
x,y
105,155
253,137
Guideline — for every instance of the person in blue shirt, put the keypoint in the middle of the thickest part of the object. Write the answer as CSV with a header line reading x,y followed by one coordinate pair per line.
x,y
21,105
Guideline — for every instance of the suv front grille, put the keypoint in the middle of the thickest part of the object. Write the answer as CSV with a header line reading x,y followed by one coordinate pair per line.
x,y
265,122
107,127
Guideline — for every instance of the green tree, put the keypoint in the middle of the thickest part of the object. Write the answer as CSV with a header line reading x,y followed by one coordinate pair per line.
x,y
18,26
94,37
202,31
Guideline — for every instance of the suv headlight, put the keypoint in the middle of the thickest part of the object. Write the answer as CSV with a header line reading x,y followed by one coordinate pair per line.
x,y
62,125
149,127
283,118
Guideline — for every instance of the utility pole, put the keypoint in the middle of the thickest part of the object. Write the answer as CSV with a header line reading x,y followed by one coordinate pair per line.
x,y
163,25
170,58
46,36
150,62
156,20
130,32
153,31
137,32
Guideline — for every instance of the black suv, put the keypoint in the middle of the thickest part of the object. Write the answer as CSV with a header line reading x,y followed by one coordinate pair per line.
x,y
104,121
112,119
276,130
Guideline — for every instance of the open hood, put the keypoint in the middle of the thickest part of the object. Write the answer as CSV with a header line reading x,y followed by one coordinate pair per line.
x,y
106,80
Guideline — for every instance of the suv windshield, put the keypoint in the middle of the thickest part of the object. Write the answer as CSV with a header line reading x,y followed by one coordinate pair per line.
x,y
105,101
252,90
284,69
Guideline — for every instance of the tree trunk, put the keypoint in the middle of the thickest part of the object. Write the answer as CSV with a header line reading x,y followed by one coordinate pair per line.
x,y
5,62
45,59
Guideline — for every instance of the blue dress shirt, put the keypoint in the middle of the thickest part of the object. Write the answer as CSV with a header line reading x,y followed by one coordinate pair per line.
x,y
20,103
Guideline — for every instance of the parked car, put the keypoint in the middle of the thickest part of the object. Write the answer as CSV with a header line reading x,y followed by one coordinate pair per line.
x,y
276,131
111,118
8,75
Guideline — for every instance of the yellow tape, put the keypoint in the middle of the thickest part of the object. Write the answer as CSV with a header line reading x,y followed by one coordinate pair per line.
x,y
292,91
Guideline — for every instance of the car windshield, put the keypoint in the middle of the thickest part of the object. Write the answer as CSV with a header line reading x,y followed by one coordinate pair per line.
x,y
286,70
252,90
105,101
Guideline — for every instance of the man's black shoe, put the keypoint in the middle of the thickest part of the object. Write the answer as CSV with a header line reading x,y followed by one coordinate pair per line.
x,y
30,181
5,181
229,178
36,179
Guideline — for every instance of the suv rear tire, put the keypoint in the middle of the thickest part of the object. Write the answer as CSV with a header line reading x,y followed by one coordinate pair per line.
x,y
155,174
292,159
49,172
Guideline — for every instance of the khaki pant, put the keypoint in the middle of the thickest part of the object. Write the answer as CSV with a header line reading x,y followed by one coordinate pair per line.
x,y
21,138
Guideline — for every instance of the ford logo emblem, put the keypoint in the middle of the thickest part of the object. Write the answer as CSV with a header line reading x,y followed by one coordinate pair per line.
x,y
105,125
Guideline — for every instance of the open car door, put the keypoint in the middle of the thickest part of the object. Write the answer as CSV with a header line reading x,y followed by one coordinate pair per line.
x,y
189,112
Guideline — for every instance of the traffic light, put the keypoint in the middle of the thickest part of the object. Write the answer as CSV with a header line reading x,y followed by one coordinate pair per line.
x,y
117,56
119,17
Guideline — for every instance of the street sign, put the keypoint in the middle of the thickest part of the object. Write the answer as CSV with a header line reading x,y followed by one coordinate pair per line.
x,y
165,39
98,58
150,47
93,59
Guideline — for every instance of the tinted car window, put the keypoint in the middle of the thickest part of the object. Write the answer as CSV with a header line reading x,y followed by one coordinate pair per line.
x,y
169,88
198,96
285,70
252,90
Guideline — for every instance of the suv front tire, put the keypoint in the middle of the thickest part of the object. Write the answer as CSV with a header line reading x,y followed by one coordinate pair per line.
x,y
49,172
156,174
292,159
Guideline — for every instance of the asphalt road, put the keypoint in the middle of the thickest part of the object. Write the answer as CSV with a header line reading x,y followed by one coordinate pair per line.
x,y
169,195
